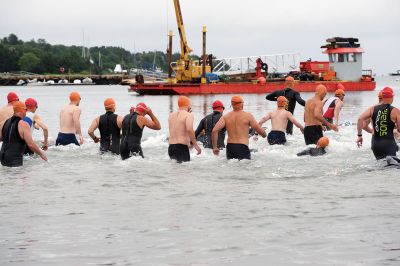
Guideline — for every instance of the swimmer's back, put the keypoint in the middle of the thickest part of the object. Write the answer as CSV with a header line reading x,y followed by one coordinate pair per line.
x,y
237,125
177,122
279,119
66,119
309,112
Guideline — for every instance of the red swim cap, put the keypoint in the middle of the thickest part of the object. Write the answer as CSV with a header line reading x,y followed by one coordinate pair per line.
x,y
387,92
141,107
12,97
218,104
30,102
340,87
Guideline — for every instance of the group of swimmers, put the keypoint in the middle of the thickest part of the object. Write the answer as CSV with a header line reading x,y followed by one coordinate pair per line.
x,y
122,135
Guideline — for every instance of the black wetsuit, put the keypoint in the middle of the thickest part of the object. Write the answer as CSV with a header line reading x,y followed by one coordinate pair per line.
x,y
110,133
237,151
131,137
312,134
292,96
276,137
383,143
312,152
13,147
207,124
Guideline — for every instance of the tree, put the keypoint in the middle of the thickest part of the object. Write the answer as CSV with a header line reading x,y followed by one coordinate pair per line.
x,y
12,39
29,62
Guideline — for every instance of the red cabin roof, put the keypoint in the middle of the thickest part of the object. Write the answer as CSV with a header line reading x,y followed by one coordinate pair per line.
x,y
343,50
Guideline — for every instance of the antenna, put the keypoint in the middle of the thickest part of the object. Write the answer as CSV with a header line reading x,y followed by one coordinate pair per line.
x,y
83,44
100,60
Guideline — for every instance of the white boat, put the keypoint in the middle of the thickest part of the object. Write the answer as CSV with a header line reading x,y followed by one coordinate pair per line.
x,y
35,82
87,80
21,82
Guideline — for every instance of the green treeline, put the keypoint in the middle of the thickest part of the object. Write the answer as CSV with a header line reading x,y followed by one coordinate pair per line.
x,y
41,57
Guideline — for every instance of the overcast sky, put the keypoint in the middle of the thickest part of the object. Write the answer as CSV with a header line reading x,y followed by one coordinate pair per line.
x,y
235,27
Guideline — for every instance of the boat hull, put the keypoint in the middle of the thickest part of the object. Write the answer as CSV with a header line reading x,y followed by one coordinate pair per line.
x,y
241,88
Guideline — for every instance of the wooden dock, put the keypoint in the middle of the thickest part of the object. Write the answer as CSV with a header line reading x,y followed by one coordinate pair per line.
x,y
12,79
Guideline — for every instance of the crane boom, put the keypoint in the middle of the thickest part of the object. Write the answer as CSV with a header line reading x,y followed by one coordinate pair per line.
x,y
185,49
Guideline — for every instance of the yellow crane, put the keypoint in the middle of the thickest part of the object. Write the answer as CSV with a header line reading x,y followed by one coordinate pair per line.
x,y
186,69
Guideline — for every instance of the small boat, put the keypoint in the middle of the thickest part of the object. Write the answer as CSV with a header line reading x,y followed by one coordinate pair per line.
x,y
397,73
21,82
35,82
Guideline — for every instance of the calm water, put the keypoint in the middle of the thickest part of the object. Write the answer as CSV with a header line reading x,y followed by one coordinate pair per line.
x,y
85,209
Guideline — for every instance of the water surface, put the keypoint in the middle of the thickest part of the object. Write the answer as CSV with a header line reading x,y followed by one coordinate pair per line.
x,y
82,208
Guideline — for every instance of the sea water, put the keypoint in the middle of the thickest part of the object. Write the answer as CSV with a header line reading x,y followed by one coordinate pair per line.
x,y
83,208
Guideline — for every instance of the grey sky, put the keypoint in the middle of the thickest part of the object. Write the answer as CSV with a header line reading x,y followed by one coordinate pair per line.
x,y
235,27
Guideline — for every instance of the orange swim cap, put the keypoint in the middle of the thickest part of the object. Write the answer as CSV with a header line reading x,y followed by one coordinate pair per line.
x,y
320,89
183,101
339,92
281,101
19,107
323,142
289,78
74,96
236,99
109,103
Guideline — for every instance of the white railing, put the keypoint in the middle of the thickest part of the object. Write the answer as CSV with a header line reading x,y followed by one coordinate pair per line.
x,y
277,63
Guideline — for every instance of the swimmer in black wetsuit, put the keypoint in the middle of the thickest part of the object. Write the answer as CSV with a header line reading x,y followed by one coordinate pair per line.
x,y
318,150
385,118
292,96
132,130
109,125
16,136
207,124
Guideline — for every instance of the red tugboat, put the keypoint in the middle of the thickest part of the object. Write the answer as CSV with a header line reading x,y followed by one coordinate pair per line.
x,y
197,77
